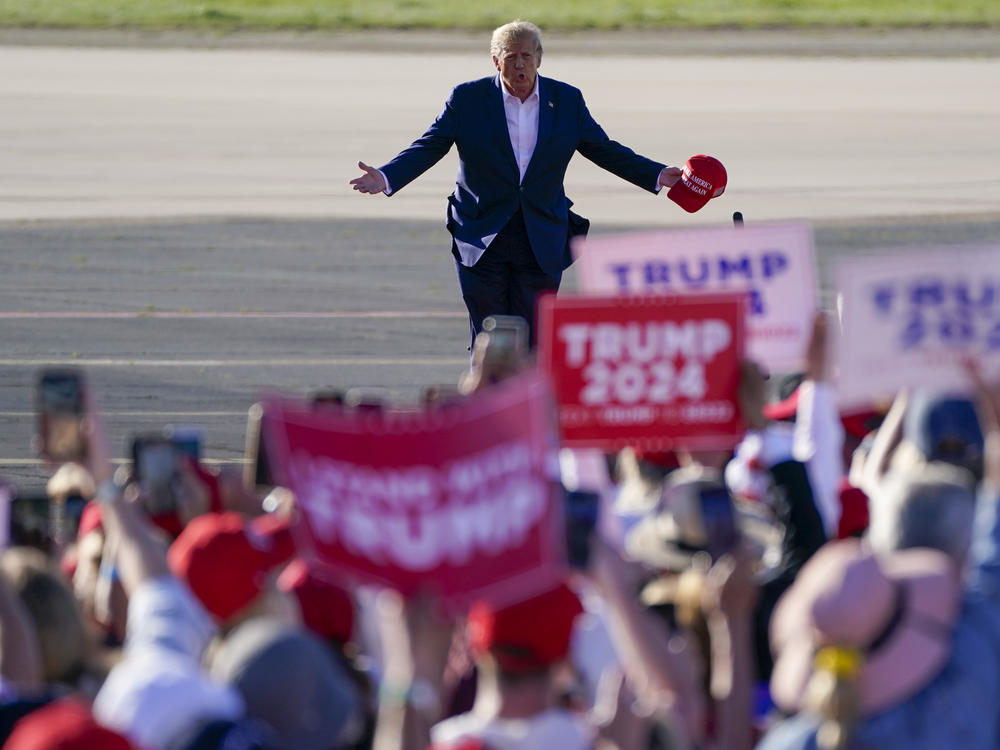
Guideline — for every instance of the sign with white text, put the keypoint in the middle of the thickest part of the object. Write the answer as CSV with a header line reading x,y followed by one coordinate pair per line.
x,y
910,319
773,263
653,372
459,500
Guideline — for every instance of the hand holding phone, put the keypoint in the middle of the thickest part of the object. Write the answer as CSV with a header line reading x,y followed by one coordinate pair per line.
x,y
60,399
155,468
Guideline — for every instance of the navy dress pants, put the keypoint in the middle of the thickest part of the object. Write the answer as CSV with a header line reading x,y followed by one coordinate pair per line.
x,y
507,280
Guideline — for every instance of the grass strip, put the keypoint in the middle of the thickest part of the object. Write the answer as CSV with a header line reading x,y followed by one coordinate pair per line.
x,y
260,15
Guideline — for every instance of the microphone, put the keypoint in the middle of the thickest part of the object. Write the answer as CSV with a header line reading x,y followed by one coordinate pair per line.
x,y
737,218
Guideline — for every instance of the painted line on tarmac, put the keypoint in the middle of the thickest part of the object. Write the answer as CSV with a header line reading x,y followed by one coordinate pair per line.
x,y
275,362
184,315
40,461
158,414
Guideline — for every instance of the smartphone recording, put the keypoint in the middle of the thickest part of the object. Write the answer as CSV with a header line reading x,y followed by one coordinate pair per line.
x,y
59,398
156,470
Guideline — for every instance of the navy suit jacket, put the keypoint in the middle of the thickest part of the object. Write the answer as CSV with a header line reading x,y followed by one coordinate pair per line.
x,y
488,187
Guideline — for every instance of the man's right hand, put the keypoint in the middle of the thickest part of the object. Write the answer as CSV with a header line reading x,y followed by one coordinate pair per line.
x,y
370,182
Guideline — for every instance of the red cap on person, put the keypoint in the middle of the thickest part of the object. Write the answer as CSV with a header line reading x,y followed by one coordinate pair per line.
x,y
702,179
225,560
784,409
857,424
466,743
90,520
661,459
327,609
527,636
853,510
63,725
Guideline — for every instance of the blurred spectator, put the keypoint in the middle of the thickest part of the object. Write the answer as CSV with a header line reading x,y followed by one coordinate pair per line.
x,y
916,659
289,680
62,636
944,427
936,509
642,474
64,725
158,692
517,650
229,562
790,499
708,554
328,611
856,635
815,438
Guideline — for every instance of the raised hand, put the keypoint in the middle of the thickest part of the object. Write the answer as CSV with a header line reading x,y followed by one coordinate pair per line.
x,y
370,182
817,353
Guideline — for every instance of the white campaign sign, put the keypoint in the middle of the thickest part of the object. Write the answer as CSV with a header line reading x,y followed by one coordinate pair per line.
x,y
910,318
773,263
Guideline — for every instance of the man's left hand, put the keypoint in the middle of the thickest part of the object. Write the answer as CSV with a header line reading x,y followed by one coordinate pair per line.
x,y
669,176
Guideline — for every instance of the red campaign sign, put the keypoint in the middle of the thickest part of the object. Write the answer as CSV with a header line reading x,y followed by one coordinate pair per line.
x,y
459,500
653,372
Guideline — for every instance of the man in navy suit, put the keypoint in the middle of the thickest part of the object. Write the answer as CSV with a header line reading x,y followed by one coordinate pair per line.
x,y
509,216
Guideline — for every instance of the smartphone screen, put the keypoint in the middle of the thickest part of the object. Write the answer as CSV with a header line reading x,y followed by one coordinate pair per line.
x,y
29,522
61,392
155,461
720,521
581,520
59,400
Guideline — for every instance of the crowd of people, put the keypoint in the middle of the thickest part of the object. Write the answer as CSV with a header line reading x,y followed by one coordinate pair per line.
x,y
832,582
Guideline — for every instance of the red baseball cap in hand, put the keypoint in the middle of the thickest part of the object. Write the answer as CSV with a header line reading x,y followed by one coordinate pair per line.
x,y
703,178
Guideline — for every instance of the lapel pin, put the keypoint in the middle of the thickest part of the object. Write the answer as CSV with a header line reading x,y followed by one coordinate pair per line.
x,y
551,104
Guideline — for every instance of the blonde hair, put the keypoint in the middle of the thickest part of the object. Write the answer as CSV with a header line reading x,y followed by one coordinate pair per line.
x,y
515,31
832,694
59,626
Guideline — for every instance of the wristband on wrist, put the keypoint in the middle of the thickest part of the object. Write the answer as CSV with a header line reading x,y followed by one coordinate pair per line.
x,y
420,695
109,571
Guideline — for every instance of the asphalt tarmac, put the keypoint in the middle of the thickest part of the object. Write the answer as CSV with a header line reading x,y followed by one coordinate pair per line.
x,y
177,221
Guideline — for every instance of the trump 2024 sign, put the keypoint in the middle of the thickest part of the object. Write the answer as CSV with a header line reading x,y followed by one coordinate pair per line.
x,y
773,263
911,318
654,372
459,500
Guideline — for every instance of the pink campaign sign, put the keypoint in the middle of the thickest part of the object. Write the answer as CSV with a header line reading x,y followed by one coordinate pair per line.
x,y
459,500
773,263
655,372
910,318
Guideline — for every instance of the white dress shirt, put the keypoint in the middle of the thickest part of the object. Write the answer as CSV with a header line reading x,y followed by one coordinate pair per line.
x,y
819,443
522,125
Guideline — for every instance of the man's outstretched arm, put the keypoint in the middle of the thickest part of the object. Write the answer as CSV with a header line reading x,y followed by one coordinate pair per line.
x,y
620,160
413,161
